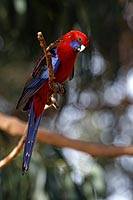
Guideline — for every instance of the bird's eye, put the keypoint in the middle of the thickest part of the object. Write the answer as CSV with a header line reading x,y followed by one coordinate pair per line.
x,y
80,39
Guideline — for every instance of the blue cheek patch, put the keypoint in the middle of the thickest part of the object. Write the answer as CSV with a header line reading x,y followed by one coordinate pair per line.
x,y
74,44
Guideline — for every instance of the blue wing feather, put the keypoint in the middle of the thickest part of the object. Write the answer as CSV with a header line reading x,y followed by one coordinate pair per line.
x,y
39,76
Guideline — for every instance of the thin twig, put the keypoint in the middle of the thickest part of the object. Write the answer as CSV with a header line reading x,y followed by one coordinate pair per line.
x,y
55,86
13,153
48,56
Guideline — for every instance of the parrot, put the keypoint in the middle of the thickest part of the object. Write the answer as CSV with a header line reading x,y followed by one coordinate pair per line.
x,y
37,91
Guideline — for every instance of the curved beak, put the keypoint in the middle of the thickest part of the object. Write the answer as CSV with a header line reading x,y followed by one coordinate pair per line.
x,y
81,48
76,46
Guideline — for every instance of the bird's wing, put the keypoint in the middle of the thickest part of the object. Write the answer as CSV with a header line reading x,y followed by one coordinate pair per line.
x,y
38,77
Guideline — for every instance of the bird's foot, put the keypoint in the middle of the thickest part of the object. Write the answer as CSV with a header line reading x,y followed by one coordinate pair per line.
x,y
57,87
53,102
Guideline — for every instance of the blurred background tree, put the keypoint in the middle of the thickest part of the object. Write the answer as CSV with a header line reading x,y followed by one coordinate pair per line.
x,y
98,105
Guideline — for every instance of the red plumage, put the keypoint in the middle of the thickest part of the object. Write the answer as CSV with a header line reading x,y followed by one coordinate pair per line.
x,y
37,91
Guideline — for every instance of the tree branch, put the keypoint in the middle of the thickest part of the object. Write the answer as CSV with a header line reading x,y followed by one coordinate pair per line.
x,y
55,86
13,153
16,127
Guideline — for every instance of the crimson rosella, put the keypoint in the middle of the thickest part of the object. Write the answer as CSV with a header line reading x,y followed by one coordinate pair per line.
x,y
37,91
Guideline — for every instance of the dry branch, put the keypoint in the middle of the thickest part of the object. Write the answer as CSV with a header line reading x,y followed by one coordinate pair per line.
x,y
13,153
16,127
48,56
55,86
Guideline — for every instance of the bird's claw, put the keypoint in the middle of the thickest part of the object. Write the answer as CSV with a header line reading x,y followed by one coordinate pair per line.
x,y
57,87
52,101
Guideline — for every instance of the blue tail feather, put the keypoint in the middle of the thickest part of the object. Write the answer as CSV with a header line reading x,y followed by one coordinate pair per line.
x,y
30,138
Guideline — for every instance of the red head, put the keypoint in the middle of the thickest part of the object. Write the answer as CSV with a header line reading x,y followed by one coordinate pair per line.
x,y
70,44
77,40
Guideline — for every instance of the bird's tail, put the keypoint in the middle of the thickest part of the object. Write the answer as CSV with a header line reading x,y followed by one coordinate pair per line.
x,y
30,138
